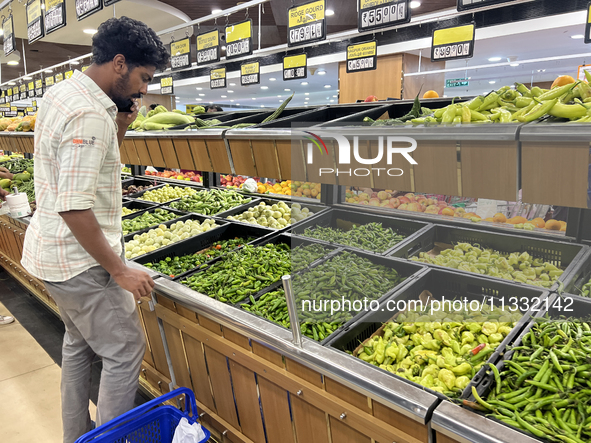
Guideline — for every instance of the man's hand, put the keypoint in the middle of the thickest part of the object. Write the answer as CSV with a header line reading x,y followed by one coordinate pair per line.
x,y
135,281
124,119
3,194
5,173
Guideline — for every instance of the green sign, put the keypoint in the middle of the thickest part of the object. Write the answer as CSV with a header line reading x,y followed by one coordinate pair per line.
x,y
456,83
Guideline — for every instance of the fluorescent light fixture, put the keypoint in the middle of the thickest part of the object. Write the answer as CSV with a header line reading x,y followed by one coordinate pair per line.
x,y
264,87
198,99
262,106
577,36
230,91
12,63
327,86
280,101
27,78
74,62
414,4
514,64
90,31
254,98
223,48
332,101
322,72
48,71
232,84
287,89
495,59
237,104
279,96
329,12
216,11
306,93
304,83
232,101
307,98
492,82
12,83
199,89
335,96
201,95
224,96
272,79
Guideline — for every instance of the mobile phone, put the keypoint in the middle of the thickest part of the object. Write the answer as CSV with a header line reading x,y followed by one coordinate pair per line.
x,y
126,108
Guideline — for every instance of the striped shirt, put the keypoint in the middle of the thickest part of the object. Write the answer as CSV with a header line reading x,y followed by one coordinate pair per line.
x,y
77,167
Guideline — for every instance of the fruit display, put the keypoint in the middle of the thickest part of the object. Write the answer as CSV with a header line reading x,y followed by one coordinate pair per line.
x,y
133,189
17,165
167,193
441,351
18,124
164,236
241,274
159,118
276,216
127,211
173,266
347,276
543,389
231,181
285,187
186,176
146,220
518,266
568,100
210,202
5,158
370,237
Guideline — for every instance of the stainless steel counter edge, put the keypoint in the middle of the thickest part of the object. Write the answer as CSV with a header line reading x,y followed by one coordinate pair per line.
x,y
258,134
402,397
556,132
194,133
468,427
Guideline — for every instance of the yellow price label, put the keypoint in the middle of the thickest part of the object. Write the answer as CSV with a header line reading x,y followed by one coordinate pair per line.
x,y
239,31
217,74
362,50
9,92
23,88
59,77
31,86
49,81
209,40
166,82
38,84
50,4
33,11
14,109
295,61
69,74
250,68
181,47
308,13
457,34
34,103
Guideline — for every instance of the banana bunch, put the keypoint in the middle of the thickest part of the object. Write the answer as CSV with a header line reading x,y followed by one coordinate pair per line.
x,y
165,120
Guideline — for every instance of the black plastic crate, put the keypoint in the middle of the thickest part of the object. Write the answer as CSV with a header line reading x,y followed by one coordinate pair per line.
x,y
222,213
344,219
227,116
182,218
153,208
316,209
579,277
257,119
199,243
141,207
138,182
567,256
443,285
139,195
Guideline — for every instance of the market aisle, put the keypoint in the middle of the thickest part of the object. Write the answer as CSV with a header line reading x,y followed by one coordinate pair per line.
x,y
29,388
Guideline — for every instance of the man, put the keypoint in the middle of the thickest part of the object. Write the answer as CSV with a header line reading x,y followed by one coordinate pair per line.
x,y
214,108
74,241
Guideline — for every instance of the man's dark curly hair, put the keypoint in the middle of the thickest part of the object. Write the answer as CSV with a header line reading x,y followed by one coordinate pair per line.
x,y
133,39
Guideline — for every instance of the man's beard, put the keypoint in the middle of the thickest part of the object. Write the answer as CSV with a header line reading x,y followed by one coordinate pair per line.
x,y
120,97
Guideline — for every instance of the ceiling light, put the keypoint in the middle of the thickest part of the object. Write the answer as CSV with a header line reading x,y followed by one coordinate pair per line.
x,y
232,101
414,4
492,82
74,62
307,98
335,96
223,48
304,83
230,91
48,71
199,89
495,59
272,79
90,31
198,99
577,36
279,96
287,89
514,64
329,12
216,11
254,98
264,87
224,96
12,83
321,72
327,86
306,93
27,78
201,95
1,31
12,63
211,103
232,84
332,101
280,101
237,104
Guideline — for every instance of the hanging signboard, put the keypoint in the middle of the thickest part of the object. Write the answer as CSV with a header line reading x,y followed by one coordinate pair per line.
x,y
250,73
35,29
84,8
9,95
453,43
11,111
49,81
30,110
31,89
110,2
23,92
239,39
34,105
374,14
69,74
588,25
208,47
456,82
2,98
166,85
362,57
8,32
59,77
180,54
217,78
295,67
55,15
464,5
39,88
306,23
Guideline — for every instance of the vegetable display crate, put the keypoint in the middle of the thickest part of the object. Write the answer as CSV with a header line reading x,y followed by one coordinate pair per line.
x,y
183,218
344,220
257,119
228,116
134,181
443,285
556,307
151,210
567,256
140,208
221,213
139,195
574,282
316,209
201,243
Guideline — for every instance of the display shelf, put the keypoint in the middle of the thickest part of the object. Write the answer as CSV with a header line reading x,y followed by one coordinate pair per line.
x,y
140,207
578,277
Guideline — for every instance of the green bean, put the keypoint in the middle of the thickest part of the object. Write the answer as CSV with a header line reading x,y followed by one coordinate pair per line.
x,y
211,201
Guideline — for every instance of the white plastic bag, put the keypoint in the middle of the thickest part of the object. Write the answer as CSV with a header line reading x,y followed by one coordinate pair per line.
x,y
186,433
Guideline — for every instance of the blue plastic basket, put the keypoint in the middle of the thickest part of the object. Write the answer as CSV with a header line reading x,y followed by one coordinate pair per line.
x,y
148,423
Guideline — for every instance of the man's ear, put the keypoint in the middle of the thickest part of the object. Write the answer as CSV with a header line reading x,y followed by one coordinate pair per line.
x,y
119,64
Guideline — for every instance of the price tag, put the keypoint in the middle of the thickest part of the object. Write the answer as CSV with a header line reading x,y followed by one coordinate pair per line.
x,y
464,5
59,77
38,88
295,67
306,23
34,104
31,89
239,39
250,73
180,54
11,111
55,15
453,43
362,57
69,74
23,92
30,111
84,8
166,85
35,29
208,47
374,14
8,32
49,81
217,78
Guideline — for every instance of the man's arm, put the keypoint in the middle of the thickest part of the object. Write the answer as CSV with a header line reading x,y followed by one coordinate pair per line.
x,y
87,231
3,194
